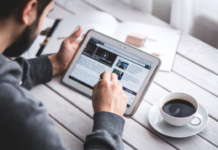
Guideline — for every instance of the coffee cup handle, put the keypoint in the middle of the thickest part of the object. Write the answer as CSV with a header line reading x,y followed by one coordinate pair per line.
x,y
199,117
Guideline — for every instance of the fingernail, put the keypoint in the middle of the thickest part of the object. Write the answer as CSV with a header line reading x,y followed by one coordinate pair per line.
x,y
77,28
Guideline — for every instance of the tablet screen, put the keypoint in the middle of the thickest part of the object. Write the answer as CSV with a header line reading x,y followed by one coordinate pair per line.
x,y
99,56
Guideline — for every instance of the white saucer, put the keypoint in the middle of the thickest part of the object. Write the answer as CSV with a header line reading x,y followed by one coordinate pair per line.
x,y
157,122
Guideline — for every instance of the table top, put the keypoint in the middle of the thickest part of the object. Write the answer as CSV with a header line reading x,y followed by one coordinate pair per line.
x,y
195,72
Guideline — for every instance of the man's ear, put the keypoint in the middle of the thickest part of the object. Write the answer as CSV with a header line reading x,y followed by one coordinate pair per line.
x,y
29,12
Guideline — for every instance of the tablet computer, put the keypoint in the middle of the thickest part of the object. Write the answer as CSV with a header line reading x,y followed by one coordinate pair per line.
x,y
98,53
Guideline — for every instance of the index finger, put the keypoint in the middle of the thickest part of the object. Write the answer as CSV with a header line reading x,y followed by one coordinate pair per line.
x,y
106,76
114,77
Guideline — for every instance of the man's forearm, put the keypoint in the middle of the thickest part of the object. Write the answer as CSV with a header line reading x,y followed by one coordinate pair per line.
x,y
35,71
107,132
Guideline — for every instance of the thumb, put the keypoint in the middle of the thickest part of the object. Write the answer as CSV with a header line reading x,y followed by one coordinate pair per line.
x,y
72,38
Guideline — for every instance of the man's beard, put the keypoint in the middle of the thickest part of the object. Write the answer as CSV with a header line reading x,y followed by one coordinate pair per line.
x,y
23,43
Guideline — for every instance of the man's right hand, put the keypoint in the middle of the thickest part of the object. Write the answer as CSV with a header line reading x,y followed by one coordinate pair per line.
x,y
108,95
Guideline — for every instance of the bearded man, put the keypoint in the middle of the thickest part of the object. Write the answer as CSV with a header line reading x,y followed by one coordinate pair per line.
x,y
24,121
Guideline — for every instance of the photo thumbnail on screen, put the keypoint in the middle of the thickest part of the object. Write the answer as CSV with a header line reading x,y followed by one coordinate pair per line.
x,y
91,47
97,53
121,64
119,73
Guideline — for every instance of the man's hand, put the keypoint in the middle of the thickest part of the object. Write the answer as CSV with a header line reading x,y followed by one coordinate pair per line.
x,y
108,95
61,60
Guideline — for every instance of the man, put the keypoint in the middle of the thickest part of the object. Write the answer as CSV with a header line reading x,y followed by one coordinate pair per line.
x,y
24,122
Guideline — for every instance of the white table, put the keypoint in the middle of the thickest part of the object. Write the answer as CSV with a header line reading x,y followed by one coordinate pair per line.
x,y
195,72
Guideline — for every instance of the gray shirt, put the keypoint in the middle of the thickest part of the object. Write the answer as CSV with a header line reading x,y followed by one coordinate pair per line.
x,y
24,121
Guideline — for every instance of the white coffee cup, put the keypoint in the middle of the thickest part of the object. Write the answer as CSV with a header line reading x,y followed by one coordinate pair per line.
x,y
195,119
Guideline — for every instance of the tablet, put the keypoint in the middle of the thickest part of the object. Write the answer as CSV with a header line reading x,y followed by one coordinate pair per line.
x,y
98,53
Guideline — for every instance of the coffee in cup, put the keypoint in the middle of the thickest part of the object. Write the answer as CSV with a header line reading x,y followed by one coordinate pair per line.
x,y
179,109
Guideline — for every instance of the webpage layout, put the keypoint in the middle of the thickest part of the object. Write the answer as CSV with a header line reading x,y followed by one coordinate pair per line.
x,y
98,57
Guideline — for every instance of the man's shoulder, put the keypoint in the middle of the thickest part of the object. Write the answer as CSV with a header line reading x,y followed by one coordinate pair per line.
x,y
25,121
15,97
9,90
9,71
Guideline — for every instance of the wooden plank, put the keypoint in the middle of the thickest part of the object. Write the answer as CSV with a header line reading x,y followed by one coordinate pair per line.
x,y
126,147
155,92
69,116
69,140
196,74
194,143
211,132
199,52
174,82
133,133
125,12
72,118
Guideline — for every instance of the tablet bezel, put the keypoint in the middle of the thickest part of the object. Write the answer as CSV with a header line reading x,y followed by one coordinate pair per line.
x,y
123,46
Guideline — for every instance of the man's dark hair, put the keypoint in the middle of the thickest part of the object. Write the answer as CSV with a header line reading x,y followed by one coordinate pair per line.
x,y
8,7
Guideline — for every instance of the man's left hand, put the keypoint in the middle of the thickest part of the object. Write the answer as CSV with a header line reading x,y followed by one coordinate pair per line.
x,y
61,60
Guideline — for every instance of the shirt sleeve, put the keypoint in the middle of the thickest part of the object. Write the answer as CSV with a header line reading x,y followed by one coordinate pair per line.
x,y
35,71
107,132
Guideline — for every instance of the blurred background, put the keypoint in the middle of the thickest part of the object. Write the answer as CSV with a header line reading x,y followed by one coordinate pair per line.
x,y
198,18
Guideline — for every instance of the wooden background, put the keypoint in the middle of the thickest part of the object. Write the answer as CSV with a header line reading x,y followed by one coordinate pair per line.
x,y
195,72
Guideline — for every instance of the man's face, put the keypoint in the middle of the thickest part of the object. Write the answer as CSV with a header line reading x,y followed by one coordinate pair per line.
x,y
25,40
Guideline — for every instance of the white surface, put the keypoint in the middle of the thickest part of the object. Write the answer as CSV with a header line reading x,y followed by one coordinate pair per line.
x,y
157,122
99,21
160,40
143,5
159,8
197,18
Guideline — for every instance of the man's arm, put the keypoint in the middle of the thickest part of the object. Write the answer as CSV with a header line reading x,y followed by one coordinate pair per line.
x,y
109,103
107,132
35,71
41,70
